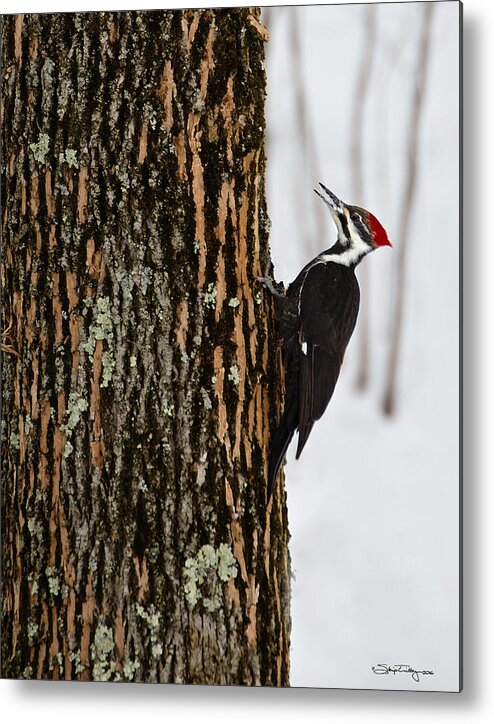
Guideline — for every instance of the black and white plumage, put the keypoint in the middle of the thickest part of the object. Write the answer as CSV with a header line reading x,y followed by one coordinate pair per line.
x,y
317,316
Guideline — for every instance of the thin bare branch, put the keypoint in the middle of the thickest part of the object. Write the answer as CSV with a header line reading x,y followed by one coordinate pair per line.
x,y
409,191
361,93
306,132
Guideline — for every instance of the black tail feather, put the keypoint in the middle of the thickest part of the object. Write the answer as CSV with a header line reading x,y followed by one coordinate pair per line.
x,y
281,440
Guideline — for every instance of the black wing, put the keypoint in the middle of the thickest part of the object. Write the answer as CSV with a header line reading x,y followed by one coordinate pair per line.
x,y
329,302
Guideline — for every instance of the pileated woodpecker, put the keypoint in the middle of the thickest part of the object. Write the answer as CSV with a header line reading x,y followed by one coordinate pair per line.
x,y
316,317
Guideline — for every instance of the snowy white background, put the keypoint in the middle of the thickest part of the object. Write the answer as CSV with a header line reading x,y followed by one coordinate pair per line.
x,y
45,702
373,501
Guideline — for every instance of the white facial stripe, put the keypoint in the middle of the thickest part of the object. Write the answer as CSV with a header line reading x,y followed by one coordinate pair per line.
x,y
339,227
354,235
356,251
348,257
351,226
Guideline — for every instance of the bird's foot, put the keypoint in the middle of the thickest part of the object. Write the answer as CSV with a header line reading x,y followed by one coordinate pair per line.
x,y
269,284
277,289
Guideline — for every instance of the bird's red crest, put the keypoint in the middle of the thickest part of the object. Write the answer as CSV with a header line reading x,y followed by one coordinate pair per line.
x,y
378,232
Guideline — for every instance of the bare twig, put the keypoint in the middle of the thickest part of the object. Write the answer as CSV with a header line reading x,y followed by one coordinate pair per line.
x,y
394,51
361,93
306,132
389,398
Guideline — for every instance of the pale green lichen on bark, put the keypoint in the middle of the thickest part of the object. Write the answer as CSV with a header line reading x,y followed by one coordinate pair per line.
x,y
75,659
52,576
69,156
76,406
152,618
226,563
14,440
35,527
101,328
213,566
40,149
210,296
56,659
32,631
130,669
234,375
34,585
101,649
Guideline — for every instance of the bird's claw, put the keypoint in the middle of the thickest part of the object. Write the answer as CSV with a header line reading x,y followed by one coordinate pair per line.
x,y
276,289
270,285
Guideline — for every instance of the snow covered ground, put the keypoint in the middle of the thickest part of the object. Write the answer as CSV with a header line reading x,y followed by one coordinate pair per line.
x,y
374,502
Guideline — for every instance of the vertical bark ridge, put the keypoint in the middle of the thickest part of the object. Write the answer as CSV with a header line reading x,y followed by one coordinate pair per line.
x,y
140,379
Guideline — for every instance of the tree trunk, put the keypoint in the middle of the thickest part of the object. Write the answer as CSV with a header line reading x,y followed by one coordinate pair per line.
x,y
140,368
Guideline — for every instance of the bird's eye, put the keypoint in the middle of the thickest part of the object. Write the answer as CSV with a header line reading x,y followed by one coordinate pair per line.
x,y
356,217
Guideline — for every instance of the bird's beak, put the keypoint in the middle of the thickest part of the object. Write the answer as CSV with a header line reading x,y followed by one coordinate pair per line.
x,y
335,205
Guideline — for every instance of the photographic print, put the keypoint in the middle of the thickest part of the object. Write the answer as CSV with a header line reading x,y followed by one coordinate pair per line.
x,y
230,430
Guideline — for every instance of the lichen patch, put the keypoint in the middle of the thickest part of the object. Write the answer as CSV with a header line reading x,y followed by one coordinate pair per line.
x,y
204,574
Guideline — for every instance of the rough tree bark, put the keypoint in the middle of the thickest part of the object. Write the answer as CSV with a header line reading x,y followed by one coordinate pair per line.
x,y
140,365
